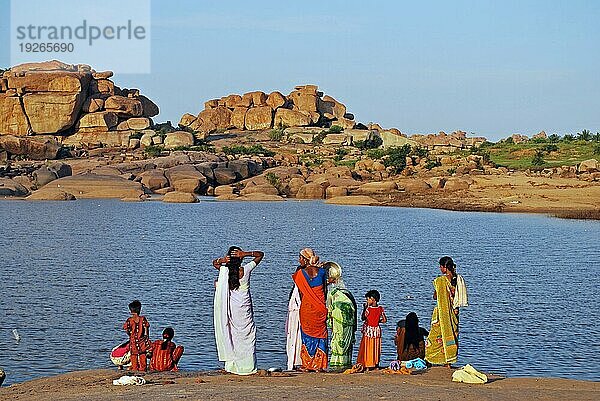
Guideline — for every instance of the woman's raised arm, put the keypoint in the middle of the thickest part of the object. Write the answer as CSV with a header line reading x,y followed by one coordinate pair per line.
x,y
257,255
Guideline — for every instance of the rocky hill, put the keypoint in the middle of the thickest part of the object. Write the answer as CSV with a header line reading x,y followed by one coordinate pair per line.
x,y
75,103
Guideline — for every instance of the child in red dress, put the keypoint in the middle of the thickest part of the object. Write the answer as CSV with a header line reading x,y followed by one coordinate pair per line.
x,y
137,327
165,354
369,352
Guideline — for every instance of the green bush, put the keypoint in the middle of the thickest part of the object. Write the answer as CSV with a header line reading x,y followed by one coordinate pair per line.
x,y
375,153
597,149
432,163
153,150
509,140
318,139
335,129
396,158
538,159
247,150
372,142
274,180
549,148
340,153
420,152
276,134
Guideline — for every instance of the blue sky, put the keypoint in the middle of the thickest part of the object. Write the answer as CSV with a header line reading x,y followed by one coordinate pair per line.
x,y
488,67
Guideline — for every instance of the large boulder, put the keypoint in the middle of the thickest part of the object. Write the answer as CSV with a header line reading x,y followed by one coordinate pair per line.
x,y
329,105
189,185
43,176
456,184
12,116
266,189
179,197
98,186
383,187
291,118
124,106
154,179
10,187
354,200
216,118
149,108
238,117
179,139
34,147
224,176
51,194
311,191
258,118
588,166
52,112
275,100
101,121
183,172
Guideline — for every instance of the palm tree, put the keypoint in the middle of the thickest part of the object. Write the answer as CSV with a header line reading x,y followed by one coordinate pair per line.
x,y
584,135
554,138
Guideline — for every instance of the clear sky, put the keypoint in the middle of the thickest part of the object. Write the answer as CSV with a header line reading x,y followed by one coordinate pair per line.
x,y
489,67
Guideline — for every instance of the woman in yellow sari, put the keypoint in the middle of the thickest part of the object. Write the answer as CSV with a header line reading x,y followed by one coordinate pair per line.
x,y
441,347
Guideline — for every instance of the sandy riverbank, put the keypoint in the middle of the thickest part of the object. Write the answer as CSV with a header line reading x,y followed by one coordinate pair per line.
x,y
433,385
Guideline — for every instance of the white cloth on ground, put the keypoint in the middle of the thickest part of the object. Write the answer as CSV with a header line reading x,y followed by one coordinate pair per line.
x,y
460,295
129,381
293,344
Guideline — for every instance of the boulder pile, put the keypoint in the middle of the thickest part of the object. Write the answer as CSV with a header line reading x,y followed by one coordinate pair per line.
x,y
305,106
75,102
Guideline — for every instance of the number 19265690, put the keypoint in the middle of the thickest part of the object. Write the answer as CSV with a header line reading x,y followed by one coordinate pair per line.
x,y
46,47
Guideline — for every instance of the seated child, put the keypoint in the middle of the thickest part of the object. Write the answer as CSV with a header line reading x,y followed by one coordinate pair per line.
x,y
410,338
165,354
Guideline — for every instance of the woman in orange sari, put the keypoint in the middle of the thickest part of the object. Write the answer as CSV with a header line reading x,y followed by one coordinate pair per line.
x,y
311,280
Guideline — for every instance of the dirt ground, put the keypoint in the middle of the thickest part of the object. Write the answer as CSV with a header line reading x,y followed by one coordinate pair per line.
x,y
435,384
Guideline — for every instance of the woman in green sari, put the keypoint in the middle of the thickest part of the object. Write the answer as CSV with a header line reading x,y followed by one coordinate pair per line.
x,y
342,319
441,347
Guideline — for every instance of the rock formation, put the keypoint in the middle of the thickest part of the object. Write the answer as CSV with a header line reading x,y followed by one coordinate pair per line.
x,y
304,106
73,102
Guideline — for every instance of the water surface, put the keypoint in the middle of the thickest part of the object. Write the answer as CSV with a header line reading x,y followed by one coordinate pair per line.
x,y
70,269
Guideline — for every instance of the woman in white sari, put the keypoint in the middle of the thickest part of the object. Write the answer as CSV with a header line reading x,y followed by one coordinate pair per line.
x,y
235,332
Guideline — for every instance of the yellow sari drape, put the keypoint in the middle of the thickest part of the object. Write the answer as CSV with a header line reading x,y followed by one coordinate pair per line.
x,y
441,346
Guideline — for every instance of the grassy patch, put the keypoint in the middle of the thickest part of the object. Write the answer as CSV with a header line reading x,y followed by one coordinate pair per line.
x,y
521,156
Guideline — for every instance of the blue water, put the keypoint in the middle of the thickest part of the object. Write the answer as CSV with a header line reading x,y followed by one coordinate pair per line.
x,y
70,269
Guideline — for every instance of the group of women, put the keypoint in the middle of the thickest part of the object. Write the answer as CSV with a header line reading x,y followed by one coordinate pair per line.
x,y
318,299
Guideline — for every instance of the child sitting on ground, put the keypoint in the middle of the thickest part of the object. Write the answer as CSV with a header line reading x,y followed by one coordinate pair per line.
x,y
410,338
370,344
137,327
165,354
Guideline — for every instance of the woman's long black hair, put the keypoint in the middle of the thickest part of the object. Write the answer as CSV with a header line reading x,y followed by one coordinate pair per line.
x,y
234,265
448,263
412,334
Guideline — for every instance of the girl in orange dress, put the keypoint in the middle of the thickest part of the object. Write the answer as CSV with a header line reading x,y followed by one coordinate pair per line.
x,y
369,352
165,354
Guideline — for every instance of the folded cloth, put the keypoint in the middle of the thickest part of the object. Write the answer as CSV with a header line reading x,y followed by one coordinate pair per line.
x,y
416,364
395,365
129,380
468,374
460,295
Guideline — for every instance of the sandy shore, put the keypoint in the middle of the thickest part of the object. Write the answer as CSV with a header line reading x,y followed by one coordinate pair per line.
x,y
435,384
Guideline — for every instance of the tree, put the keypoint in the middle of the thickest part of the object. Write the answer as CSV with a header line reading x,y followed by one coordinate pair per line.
x,y
538,159
554,138
584,135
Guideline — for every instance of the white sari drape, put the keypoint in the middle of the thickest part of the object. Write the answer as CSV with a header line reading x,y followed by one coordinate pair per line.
x,y
235,332
294,340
